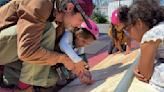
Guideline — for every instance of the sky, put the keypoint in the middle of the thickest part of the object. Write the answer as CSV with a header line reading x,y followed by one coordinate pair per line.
x,y
162,2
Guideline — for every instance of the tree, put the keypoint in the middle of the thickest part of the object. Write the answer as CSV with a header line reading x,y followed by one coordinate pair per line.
x,y
94,7
98,18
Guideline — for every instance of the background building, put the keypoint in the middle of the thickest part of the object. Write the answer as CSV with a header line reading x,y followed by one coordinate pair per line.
x,y
106,7
113,5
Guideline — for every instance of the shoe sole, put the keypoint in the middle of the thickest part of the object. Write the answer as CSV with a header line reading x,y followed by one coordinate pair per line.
x,y
7,86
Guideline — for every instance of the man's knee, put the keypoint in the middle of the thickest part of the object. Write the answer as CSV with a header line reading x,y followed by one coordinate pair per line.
x,y
52,78
11,75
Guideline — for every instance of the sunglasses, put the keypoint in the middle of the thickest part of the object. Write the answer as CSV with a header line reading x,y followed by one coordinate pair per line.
x,y
125,31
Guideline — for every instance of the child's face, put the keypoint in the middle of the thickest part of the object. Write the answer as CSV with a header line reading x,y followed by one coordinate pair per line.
x,y
119,27
137,30
81,42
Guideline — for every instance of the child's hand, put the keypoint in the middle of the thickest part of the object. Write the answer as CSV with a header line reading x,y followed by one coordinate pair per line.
x,y
118,52
80,66
127,52
138,75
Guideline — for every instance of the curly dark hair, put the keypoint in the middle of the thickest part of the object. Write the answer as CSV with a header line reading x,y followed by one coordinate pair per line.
x,y
149,11
83,32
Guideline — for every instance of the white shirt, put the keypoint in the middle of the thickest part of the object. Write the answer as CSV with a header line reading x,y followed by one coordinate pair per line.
x,y
157,32
66,46
157,78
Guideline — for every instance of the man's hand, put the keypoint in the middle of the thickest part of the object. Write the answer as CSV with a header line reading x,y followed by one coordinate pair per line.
x,y
68,63
138,75
80,66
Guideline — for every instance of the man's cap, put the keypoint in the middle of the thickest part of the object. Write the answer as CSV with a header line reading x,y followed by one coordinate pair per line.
x,y
85,7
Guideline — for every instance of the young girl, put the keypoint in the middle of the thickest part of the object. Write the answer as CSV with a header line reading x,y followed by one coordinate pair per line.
x,y
144,22
117,43
76,39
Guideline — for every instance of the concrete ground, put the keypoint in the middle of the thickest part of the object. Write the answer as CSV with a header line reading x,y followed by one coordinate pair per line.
x,y
103,28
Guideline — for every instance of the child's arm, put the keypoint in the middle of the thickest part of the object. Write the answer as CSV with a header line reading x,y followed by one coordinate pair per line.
x,y
66,48
128,46
117,43
148,53
137,73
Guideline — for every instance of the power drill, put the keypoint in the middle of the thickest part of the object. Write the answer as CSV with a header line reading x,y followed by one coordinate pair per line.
x,y
64,73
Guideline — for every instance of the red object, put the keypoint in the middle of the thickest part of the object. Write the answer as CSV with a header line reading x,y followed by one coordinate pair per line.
x,y
22,85
2,67
87,6
104,8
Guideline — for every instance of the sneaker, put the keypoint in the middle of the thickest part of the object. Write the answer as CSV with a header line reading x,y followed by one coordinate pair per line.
x,y
2,84
34,89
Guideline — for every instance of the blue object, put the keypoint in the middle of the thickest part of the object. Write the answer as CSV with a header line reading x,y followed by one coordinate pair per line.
x,y
4,2
126,81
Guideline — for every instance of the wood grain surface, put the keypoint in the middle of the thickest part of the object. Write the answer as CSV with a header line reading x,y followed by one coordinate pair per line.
x,y
107,75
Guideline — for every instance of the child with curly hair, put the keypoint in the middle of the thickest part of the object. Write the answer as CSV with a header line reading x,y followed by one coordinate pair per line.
x,y
144,22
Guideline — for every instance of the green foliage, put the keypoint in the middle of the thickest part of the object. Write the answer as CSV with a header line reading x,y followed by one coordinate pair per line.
x,y
94,6
98,18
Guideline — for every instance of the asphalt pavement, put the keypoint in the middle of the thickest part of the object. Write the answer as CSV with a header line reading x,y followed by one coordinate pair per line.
x,y
103,28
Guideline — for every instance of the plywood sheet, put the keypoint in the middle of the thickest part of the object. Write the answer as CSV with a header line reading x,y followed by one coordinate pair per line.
x,y
138,86
107,74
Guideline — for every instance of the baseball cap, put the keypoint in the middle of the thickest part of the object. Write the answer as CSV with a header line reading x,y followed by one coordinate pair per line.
x,y
85,7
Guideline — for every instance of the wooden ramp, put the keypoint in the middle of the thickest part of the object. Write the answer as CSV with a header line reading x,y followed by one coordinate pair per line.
x,y
108,73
